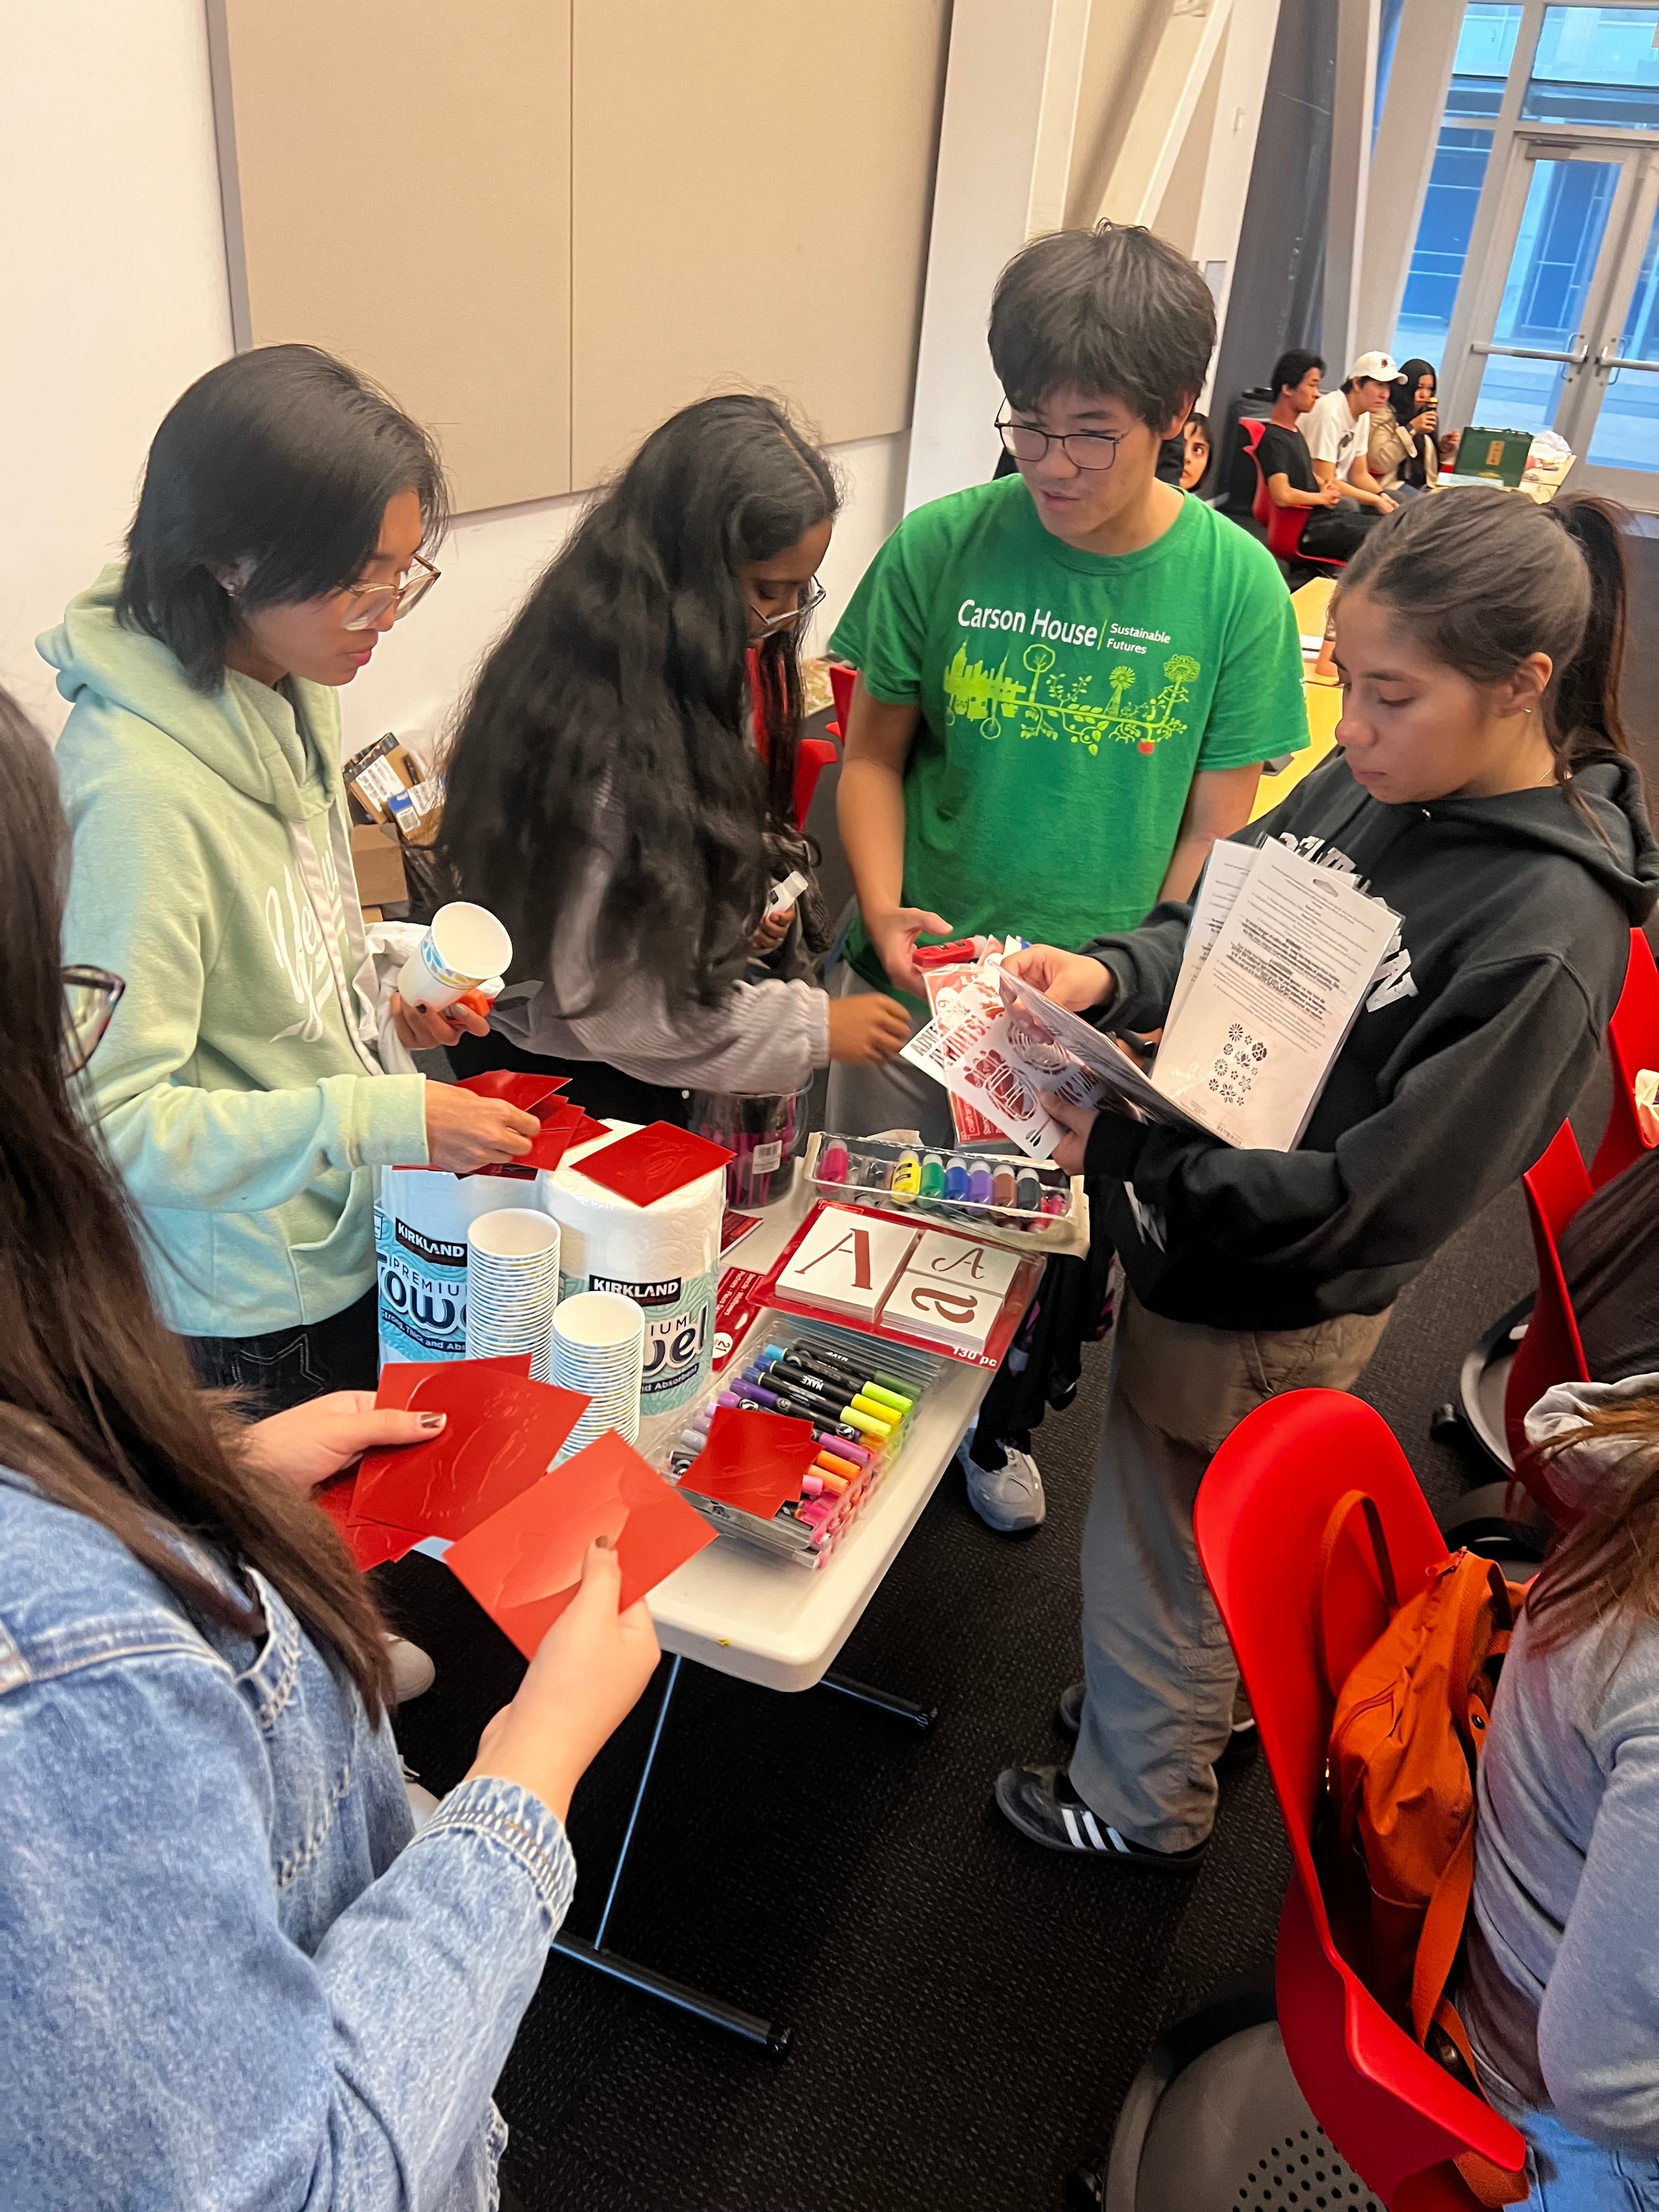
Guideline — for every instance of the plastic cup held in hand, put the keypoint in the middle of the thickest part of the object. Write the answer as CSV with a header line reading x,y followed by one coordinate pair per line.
x,y
464,945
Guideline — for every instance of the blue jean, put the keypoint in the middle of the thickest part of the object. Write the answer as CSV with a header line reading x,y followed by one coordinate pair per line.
x,y
1571,2174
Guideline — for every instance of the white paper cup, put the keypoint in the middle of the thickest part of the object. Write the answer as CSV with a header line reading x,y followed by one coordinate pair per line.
x,y
512,1285
597,1347
464,945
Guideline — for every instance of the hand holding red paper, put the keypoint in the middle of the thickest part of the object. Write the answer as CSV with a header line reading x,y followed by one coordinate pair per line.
x,y
585,1677
307,1444
523,1564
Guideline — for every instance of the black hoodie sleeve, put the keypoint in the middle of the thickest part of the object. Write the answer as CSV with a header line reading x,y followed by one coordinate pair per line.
x,y
1145,963
1476,1090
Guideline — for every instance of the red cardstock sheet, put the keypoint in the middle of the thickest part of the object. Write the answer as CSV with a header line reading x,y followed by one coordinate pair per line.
x,y
752,1460
654,1161
502,1434
530,1093
522,1563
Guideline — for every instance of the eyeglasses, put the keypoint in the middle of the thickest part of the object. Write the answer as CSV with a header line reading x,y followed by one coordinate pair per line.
x,y
90,997
1084,449
370,601
812,597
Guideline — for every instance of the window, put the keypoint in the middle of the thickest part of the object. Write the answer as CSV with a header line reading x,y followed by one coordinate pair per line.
x,y
1486,47
1596,65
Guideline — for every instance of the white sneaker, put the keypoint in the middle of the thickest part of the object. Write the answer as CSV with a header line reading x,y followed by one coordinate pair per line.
x,y
1008,1498
413,1671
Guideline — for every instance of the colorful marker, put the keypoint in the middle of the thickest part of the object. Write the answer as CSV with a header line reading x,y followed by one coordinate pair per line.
x,y
891,1405
852,1415
823,1359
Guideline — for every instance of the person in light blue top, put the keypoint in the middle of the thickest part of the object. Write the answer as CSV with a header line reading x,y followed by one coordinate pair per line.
x,y
230,1973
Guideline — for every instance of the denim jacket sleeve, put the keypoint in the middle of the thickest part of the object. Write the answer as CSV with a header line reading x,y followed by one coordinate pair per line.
x,y
162,2040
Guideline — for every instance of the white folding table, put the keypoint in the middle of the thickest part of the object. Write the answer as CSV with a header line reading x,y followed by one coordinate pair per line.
x,y
772,1623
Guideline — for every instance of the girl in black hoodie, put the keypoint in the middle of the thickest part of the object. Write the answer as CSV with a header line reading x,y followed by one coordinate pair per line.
x,y
1482,789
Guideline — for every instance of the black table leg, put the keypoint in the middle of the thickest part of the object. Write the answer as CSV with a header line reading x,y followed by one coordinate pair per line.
x,y
765,2034
748,2025
885,1701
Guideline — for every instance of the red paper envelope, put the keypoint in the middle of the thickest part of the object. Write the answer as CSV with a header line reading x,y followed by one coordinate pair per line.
x,y
399,1379
369,1544
502,1434
752,1460
653,1161
587,1129
530,1093
522,1563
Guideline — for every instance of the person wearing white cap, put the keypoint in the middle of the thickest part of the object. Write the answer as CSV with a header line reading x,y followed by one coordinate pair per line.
x,y
1337,429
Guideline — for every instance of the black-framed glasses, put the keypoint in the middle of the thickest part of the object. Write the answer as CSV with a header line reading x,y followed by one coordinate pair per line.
x,y
90,997
812,597
1084,449
370,601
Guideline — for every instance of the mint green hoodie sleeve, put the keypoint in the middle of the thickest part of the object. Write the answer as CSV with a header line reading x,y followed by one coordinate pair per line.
x,y
147,899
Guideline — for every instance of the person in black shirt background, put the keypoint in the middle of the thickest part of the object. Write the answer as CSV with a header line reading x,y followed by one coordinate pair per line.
x,y
1287,468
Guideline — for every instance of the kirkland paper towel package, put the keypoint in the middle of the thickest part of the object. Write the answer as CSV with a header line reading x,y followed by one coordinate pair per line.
x,y
420,1220
665,1256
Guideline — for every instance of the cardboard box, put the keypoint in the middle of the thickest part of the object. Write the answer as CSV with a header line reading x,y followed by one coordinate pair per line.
x,y
379,771
378,861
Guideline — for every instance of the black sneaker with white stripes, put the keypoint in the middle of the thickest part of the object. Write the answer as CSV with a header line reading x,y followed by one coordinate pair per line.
x,y
1043,1805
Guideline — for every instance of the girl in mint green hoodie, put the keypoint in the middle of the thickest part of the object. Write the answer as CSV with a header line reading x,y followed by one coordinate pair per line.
x,y
240,1089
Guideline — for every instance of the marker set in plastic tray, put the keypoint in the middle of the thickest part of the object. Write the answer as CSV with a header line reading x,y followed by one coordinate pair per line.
x,y
858,1396
985,1190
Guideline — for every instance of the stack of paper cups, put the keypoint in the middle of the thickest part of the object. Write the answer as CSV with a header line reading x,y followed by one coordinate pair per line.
x,y
512,1285
599,1348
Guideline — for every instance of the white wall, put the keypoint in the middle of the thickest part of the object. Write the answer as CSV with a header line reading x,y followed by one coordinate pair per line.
x,y
114,293
112,285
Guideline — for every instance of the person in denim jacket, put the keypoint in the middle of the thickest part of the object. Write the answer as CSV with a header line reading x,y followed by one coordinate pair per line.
x,y
230,1973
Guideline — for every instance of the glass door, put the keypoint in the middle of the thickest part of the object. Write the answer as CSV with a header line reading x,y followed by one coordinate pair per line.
x,y
1541,318
1620,438
1533,281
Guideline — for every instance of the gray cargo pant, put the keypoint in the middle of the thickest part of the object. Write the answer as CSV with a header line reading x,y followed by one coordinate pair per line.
x,y
1159,1669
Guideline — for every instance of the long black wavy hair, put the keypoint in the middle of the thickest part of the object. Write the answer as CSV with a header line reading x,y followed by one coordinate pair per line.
x,y
615,713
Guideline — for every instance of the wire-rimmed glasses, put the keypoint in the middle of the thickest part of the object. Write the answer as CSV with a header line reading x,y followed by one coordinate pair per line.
x,y
90,997
812,597
370,601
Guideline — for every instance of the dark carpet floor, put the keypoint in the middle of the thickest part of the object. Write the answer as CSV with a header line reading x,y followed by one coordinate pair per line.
x,y
967,2010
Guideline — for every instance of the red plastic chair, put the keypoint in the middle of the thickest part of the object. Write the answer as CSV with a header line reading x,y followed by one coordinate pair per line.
x,y
1285,525
1632,1045
1551,1351
841,680
1396,2117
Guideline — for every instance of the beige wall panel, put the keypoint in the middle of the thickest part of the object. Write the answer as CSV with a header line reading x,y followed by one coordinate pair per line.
x,y
751,183
398,190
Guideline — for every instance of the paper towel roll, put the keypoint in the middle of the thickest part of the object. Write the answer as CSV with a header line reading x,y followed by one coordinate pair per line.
x,y
665,1256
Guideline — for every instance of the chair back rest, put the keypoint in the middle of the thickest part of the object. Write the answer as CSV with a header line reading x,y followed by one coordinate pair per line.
x,y
1632,1045
1250,427
1551,1351
1259,1523
841,680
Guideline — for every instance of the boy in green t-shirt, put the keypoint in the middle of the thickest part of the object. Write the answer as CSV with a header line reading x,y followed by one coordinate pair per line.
x,y
1069,679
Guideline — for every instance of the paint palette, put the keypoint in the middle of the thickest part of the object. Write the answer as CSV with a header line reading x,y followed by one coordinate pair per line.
x,y
995,1191
848,1263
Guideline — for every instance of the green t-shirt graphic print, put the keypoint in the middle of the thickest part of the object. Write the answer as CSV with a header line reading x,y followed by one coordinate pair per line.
x,y
1068,700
